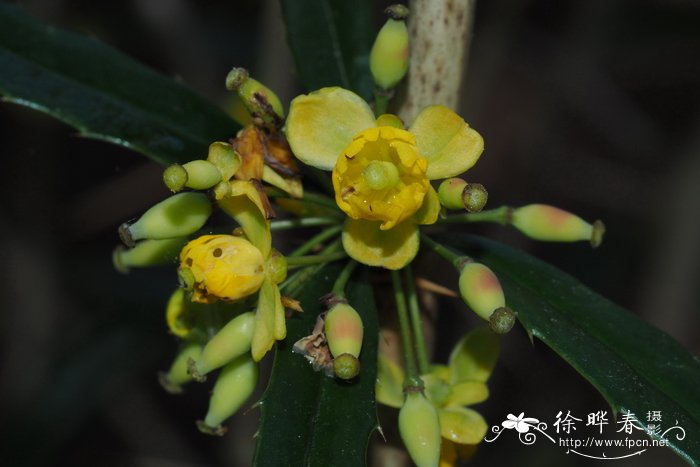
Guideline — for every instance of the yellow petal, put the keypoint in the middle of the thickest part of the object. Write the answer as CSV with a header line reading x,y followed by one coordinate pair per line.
x,y
280,319
436,389
466,393
246,207
389,387
429,211
474,356
365,242
264,324
462,425
321,124
290,185
448,143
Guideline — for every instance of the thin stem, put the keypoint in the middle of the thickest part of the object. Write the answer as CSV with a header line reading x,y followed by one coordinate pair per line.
x,y
455,259
416,323
291,284
500,215
343,278
315,240
320,199
303,222
409,357
298,261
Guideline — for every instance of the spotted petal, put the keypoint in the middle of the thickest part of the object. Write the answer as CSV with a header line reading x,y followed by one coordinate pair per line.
x,y
321,124
449,144
365,242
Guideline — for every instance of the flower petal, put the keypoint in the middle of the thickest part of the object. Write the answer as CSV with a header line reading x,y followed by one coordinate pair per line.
x,y
462,425
430,209
245,205
365,242
466,393
474,356
448,143
389,386
264,324
321,124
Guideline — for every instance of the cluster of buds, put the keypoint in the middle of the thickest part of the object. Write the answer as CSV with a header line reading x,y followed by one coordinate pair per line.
x,y
228,311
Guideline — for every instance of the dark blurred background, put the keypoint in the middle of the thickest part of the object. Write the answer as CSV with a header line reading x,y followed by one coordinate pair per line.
x,y
593,106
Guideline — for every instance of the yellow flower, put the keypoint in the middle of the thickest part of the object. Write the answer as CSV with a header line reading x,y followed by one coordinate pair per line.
x,y
381,174
451,388
223,267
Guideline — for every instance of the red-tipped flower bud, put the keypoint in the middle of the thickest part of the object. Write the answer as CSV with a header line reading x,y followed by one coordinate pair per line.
x,y
450,193
481,289
551,224
344,331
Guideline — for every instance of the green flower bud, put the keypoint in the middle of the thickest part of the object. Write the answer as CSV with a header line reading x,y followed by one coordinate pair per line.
x,y
198,175
551,224
147,253
450,193
344,330
232,341
502,320
480,289
233,387
225,158
277,267
388,60
258,99
390,120
177,216
178,375
419,427
474,197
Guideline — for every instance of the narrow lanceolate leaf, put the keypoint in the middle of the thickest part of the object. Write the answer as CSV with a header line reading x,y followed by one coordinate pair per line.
x,y
635,366
330,41
103,93
307,418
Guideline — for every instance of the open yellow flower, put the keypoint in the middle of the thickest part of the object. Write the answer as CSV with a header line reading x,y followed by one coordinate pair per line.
x,y
381,174
450,388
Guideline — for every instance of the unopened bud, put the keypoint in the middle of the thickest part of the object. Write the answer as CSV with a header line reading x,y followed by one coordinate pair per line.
x,y
232,341
390,120
234,385
502,320
177,375
277,266
388,60
198,175
177,216
147,253
225,158
474,197
258,99
551,224
419,426
344,330
481,289
450,193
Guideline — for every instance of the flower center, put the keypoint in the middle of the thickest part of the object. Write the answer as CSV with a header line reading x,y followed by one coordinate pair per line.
x,y
381,176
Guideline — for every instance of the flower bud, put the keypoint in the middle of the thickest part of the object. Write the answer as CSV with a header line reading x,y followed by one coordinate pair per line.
x,y
390,120
232,341
551,224
419,426
450,193
177,216
198,175
277,267
222,267
233,387
344,330
147,253
474,197
178,375
388,60
480,289
225,158
176,316
258,99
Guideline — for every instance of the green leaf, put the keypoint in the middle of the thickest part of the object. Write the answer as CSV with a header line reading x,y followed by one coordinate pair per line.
x,y
635,366
102,93
330,41
309,419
